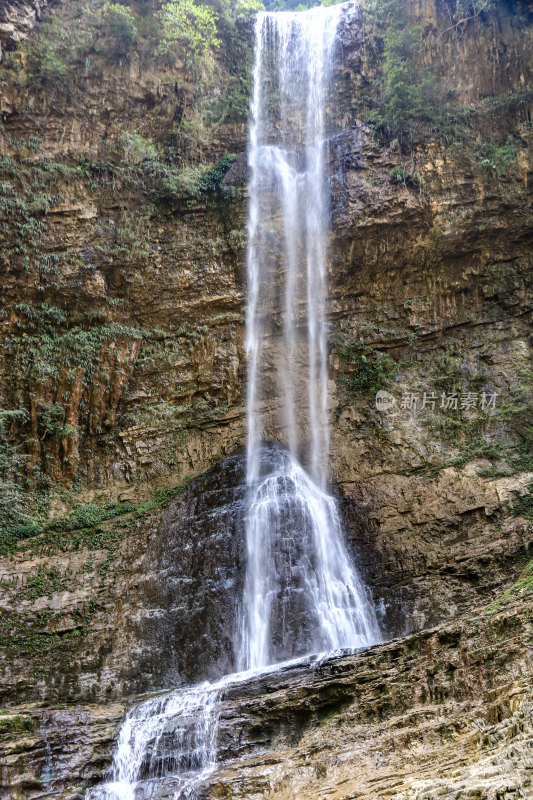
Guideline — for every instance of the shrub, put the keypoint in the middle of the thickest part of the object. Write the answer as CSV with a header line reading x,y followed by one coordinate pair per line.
x,y
191,24
51,419
195,182
180,183
368,370
493,160
407,177
136,148
248,6
15,523
89,516
44,62
410,94
470,9
213,180
121,23
409,105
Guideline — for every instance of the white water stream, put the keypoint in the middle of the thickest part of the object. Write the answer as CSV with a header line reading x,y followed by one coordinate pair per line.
x,y
302,591
171,736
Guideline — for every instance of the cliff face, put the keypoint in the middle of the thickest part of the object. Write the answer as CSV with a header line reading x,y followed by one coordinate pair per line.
x,y
122,363
17,20
123,300
431,268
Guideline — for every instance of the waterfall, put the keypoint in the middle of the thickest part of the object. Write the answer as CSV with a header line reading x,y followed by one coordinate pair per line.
x,y
287,230
302,592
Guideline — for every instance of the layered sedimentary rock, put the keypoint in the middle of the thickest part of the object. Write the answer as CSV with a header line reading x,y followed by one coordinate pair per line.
x,y
124,319
122,328
445,713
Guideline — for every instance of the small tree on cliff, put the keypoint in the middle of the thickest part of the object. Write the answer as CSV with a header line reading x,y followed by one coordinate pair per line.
x,y
191,24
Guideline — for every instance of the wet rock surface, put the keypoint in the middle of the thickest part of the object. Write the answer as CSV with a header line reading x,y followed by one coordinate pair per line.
x,y
189,593
168,611
166,615
443,713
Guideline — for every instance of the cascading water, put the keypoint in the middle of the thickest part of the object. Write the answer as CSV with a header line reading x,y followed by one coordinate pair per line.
x,y
302,592
171,738
287,228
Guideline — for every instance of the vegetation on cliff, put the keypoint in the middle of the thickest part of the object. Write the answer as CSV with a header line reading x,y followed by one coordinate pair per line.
x,y
412,100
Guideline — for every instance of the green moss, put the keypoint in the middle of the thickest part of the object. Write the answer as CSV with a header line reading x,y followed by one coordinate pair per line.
x,y
43,351
365,370
492,473
15,724
85,520
51,418
137,148
88,526
26,634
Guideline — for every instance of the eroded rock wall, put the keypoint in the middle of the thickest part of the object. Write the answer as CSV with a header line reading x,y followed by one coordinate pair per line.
x,y
122,322
17,20
445,713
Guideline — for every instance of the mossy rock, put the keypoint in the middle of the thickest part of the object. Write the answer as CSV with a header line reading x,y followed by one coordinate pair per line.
x,y
15,724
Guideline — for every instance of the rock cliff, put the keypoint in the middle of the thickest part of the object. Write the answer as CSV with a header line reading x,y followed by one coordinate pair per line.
x,y
445,713
122,245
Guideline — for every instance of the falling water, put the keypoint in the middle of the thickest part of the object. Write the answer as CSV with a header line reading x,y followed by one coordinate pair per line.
x,y
302,592
170,738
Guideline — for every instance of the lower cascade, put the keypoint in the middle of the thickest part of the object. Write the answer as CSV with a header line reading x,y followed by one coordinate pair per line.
x,y
302,592
170,738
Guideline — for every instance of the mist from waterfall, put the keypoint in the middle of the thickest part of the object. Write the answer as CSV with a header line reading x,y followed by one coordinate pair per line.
x,y
302,592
